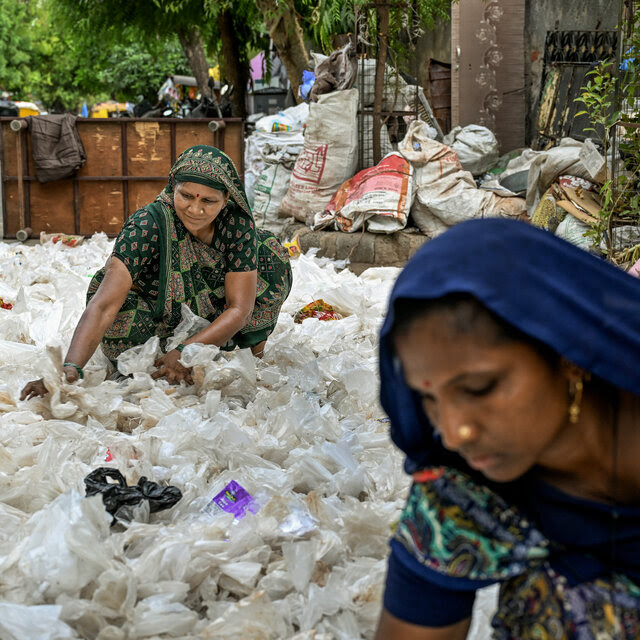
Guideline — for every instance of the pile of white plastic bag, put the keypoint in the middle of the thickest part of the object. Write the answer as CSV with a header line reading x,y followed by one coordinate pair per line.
x,y
300,430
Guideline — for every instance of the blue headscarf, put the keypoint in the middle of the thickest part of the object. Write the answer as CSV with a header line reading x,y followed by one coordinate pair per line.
x,y
582,307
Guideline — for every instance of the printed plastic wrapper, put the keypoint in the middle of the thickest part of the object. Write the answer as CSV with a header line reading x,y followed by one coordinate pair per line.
x,y
293,247
274,124
299,430
233,499
317,309
63,238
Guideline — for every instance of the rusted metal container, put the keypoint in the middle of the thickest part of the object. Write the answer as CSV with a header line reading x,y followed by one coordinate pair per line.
x,y
128,161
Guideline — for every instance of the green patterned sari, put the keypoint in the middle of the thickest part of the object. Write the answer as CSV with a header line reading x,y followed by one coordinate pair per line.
x,y
170,267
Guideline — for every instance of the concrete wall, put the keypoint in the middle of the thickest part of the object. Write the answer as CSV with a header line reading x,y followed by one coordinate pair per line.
x,y
435,44
562,15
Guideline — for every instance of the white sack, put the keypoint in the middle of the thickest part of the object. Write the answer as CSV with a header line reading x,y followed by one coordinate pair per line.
x,y
329,157
381,195
261,148
546,167
273,182
476,146
445,194
573,230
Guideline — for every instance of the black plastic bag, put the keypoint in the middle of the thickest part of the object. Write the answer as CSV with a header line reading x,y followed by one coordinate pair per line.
x,y
119,496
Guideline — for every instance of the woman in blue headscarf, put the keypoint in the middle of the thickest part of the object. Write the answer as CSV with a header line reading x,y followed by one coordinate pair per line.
x,y
510,370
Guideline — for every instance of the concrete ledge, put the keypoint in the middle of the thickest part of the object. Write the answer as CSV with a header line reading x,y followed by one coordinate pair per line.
x,y
363,249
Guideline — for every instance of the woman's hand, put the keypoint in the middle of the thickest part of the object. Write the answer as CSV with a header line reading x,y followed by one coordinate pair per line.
x,y
168,367
71,374
34,389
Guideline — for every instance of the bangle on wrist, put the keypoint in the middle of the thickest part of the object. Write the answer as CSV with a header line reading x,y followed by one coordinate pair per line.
x,y
76,367
180,347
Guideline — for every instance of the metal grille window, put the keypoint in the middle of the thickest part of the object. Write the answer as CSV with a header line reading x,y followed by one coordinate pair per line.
x,y
389,99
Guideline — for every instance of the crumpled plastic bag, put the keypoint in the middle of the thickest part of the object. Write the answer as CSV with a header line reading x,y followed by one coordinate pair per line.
x,y
118,496
38,622
61,555
476,146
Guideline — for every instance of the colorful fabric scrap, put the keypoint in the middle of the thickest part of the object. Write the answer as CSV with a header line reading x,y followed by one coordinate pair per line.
x,y
458,528
317,309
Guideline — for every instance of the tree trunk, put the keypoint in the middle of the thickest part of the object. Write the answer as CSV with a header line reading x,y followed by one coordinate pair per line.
x,y
193,48
282,23
236,71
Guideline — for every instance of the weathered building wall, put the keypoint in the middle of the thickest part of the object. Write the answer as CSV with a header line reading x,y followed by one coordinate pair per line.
x,y
435,44
540,16
562,15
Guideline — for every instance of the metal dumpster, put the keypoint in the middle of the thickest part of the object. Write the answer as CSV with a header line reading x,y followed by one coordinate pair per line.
x,y
128,161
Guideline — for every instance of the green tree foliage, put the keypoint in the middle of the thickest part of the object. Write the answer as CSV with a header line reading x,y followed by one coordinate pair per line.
x,y
322,19
150,19
16,44
611,97
64,52
132,72
42,57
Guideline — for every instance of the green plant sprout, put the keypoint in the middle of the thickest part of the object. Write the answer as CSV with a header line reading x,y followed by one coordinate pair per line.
x,y
611,99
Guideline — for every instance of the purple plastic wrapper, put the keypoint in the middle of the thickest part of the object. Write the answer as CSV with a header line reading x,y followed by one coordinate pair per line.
x,y
235,499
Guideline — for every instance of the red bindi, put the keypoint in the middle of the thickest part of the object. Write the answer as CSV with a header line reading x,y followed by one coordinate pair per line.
x,y
426,384
197,195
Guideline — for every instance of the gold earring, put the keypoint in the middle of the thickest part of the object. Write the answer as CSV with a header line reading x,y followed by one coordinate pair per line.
x,y
464,432
576,402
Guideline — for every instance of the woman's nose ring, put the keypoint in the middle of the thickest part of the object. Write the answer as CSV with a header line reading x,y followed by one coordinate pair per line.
x,y
464,432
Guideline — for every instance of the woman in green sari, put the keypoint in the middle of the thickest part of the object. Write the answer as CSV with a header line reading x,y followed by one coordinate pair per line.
x,y
197,245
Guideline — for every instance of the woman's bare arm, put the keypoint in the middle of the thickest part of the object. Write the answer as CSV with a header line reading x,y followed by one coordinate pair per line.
x,y
97,317
240,294
100,312
392,628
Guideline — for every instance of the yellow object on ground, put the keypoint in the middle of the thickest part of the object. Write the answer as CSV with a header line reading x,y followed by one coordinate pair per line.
x,y
293,247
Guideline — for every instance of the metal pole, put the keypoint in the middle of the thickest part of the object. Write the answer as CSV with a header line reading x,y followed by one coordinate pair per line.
x,y
614,129
23,232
